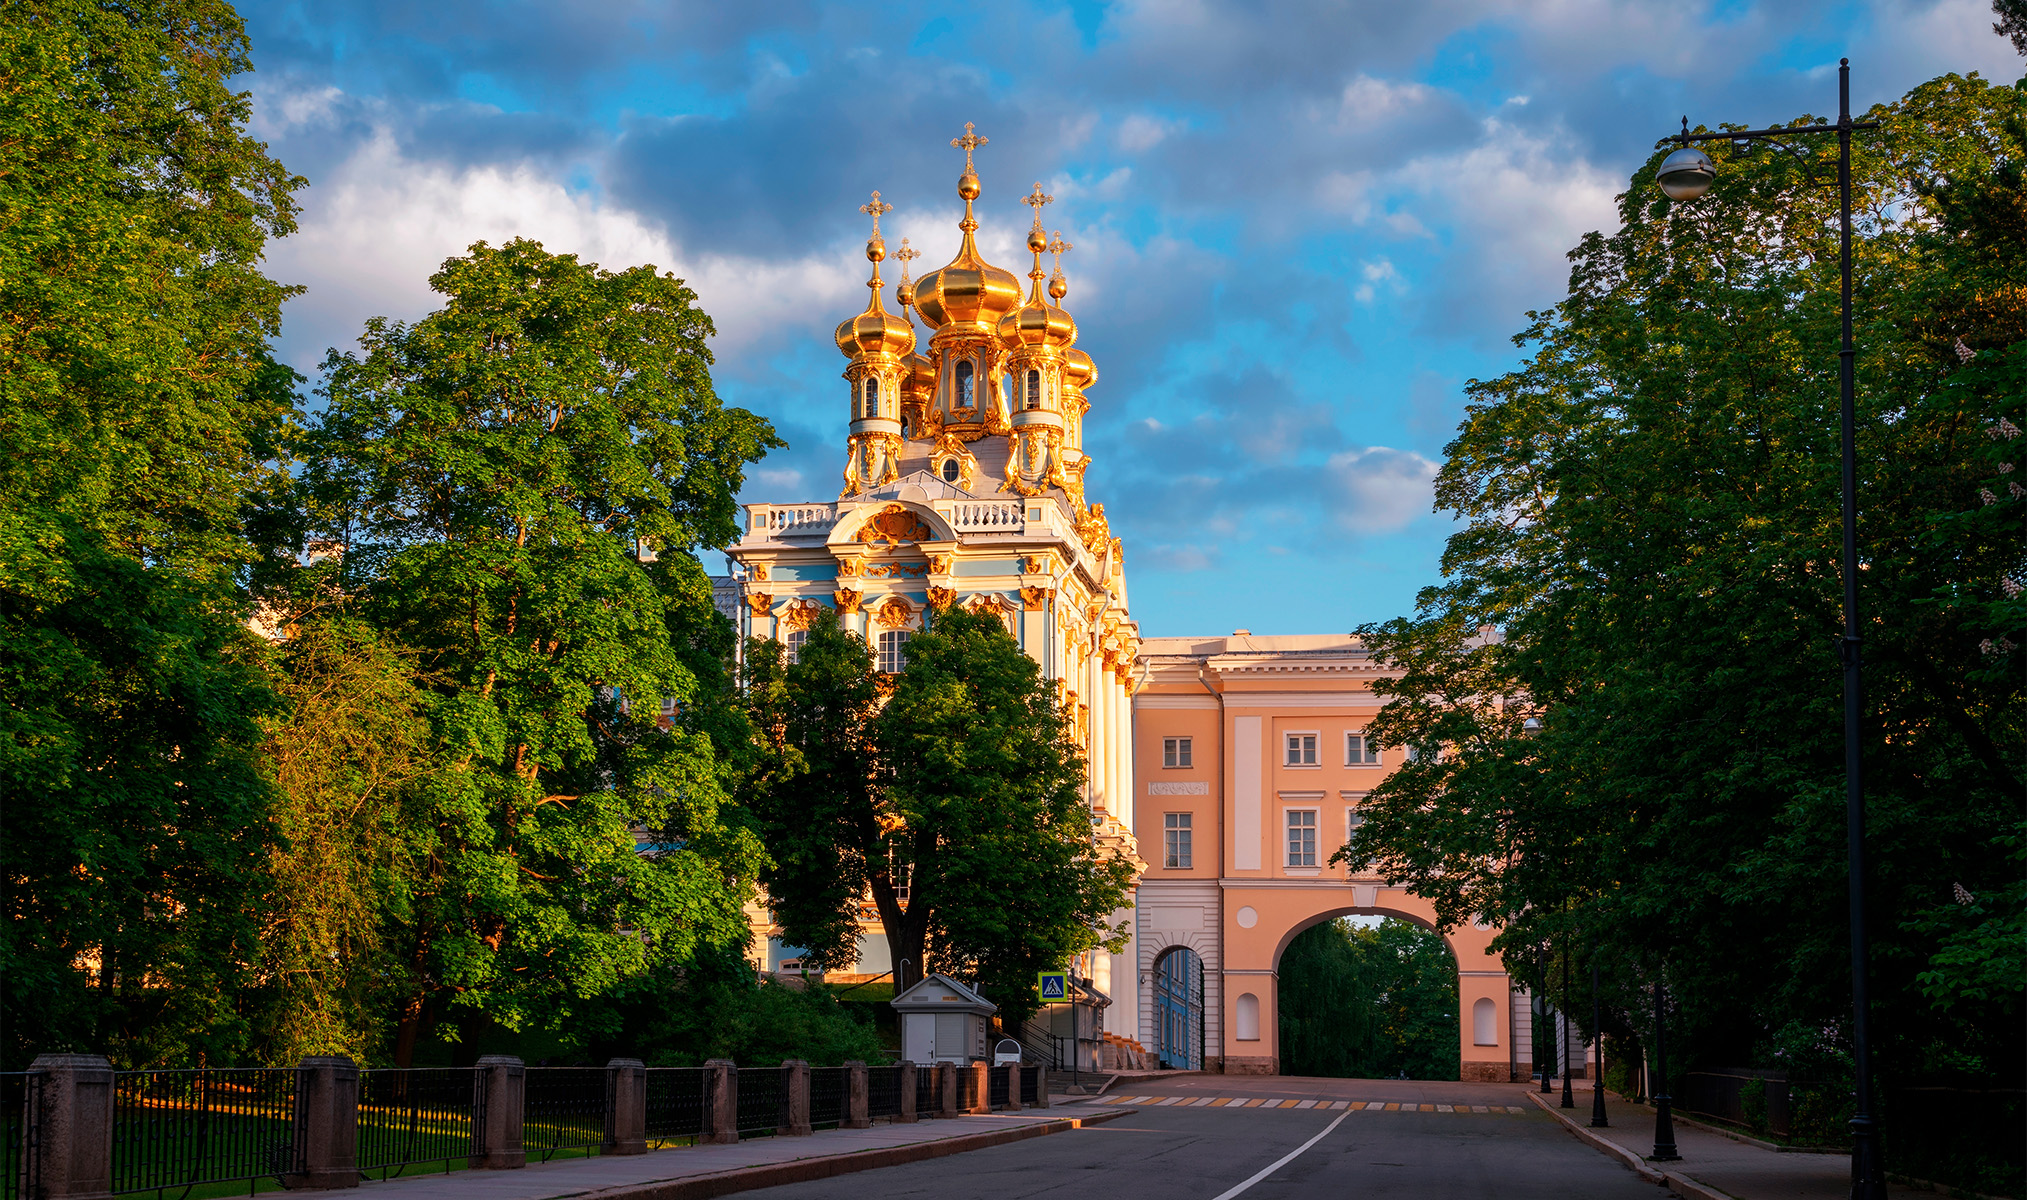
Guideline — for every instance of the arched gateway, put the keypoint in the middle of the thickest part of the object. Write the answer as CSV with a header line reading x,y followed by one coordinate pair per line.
x,y
1250,761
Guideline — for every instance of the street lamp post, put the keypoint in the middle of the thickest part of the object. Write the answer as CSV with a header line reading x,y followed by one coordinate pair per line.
x,y
1685,175
1664,1113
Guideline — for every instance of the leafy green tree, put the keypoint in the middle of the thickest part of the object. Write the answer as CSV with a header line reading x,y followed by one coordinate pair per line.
x,y
514,487
348,756
964,787
1631,673
1375,1002
140,411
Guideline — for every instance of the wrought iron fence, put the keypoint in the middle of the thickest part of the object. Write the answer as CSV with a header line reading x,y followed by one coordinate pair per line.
x,y
926,1104
829,1088
178,1129
20,1104
998,1092
564,1108
967,1089
418,1116
763,1100
675,1105
1031,1087
883,1092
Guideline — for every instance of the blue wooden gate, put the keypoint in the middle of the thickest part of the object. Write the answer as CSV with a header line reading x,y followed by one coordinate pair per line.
x,y
1179,1009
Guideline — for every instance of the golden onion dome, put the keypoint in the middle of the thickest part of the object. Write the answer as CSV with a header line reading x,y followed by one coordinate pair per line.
x,y
1038,322
875,331
968,290
1078,369
921,377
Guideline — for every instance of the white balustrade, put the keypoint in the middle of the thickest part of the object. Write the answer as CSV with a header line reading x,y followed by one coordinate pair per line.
x,y
988,516
765,521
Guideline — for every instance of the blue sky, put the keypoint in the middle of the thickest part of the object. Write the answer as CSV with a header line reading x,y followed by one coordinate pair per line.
x,y
1299,228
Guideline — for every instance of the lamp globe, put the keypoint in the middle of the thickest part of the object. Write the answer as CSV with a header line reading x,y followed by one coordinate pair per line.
x,y
1686,174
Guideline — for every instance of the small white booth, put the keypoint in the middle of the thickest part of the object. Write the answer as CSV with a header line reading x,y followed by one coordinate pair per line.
x,y
942,1021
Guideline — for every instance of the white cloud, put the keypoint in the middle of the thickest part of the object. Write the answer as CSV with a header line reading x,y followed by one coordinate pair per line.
x,y
376,227
1141,132
1366,99
1380,489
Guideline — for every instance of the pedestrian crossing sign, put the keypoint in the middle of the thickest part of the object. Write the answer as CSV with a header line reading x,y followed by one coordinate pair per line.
x,y
1053,986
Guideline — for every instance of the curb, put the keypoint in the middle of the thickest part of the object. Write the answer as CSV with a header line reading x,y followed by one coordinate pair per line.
x,y
746,1179
1676,1182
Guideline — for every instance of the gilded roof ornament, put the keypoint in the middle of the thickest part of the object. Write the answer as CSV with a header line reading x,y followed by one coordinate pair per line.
x,y
968,291
1058,286
875,331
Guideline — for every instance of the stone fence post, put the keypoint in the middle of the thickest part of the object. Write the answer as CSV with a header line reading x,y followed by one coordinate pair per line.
x,y
1042,1086
626,1107
1013,1086
946,1089
797,1072
858,1101
981,1082
326,1130
908,1114
502,1085
721,1101
74,1135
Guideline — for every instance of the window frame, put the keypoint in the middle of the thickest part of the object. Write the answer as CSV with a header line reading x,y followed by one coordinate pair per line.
x,y
1366,747
1288,841
1032,392
1315,736
869,394
1176,754
792,643
963,372
1177,829
900,655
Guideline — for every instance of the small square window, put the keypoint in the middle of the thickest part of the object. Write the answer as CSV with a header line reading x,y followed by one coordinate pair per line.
x,y
1301,750
1175,833
1360,750
1175,752
1301,837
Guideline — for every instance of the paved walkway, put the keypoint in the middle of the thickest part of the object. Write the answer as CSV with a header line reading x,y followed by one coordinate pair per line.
x,y
1725,1166
711,1170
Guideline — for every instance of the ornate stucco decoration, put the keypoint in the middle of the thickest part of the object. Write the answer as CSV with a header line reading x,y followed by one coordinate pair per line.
x,y
896,570
941,598
874,460
759,571
851,567
801,614
1035,599
1038,564
939,564
1094,530
1034,462
894,526
894,613
847,600
759,602
992,606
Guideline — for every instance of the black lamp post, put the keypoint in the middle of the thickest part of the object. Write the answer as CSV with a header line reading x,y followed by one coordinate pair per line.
x,y
1598,1120
1664,1115
1543,1023
1685,175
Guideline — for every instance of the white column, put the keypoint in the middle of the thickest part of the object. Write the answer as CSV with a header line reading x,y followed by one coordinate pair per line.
x,y
1122,742
1096,732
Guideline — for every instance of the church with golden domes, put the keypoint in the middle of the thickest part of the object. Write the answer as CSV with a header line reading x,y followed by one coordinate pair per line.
x,y
963,484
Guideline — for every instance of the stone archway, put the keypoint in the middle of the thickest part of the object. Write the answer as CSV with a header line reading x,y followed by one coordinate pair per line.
x,y
1261,922
1177,1009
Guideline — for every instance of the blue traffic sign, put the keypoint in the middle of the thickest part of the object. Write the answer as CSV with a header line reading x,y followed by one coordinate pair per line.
x,y
1053,986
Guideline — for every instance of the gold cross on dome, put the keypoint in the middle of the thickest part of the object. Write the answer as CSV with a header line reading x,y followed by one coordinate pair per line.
x,y
905,255
1035,200
969,142
874,210
1057,246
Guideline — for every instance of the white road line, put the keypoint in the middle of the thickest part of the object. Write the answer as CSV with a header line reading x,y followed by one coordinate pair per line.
x,y
1290,1157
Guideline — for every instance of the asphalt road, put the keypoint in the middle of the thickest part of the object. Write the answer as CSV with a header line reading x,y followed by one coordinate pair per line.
x,y
1201,1153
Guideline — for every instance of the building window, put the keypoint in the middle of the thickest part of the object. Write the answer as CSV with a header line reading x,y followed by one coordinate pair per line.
x,y
966,394
1034,389
1301,837
1175,840
1428,752
1175,752
1360,751
794,641
893,651
1352,820
1301,750
872,395
951,470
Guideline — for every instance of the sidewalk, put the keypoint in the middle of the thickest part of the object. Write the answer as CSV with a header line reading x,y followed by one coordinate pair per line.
x,y
1713,1167
695,1172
